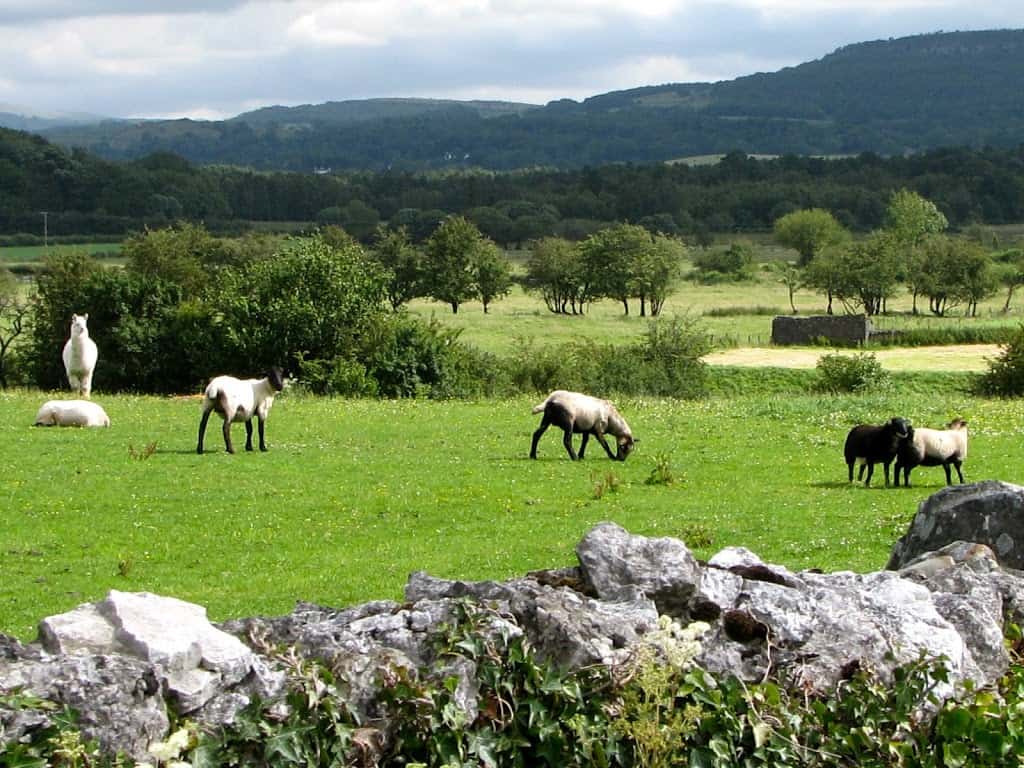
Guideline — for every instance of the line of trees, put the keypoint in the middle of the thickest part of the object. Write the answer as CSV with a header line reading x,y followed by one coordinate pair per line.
x,y
86,195
912,249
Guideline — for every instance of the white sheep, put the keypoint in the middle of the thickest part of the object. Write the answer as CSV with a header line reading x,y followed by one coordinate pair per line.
x,y
71,413
80,355
240,400
932,448
578,413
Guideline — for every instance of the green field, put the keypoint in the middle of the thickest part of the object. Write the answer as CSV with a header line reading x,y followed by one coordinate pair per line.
x,y
355,494
23,255
524,316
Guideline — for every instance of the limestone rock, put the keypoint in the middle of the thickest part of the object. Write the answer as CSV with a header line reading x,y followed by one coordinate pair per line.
x,y
990,512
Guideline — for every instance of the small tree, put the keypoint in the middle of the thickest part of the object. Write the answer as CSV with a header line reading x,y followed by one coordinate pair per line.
x,y
867,273
1009,271
450,254
825,274
404,264
792,277
555,271
910,219
493,273
13,319
609,259
956,272
1005,374
808,232
654,272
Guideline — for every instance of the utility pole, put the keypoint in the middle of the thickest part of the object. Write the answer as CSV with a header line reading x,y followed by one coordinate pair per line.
x,y
45,229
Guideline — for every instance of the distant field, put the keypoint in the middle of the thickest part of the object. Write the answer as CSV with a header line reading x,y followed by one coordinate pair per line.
x,y
33,254
754,303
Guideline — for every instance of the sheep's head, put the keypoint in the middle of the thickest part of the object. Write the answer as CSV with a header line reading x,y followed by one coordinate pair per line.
x,y
957,424
625,447
901,427
276,376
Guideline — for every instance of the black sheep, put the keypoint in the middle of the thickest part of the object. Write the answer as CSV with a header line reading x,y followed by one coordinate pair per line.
x,y
875,445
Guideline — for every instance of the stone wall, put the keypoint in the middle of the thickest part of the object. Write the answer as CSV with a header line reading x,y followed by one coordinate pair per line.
x,y
125,663
847,329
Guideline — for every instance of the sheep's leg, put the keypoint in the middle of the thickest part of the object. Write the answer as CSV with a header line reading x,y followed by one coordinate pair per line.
x,y
849,469
248,435
567,442
263,442
604,444
87,386
202,430
960,474
227,436
583,444
871,470
537,435
949,475
885,466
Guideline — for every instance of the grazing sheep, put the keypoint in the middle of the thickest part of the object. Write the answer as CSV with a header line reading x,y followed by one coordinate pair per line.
x,y
875,445
71,413
240,400
80,355
932,448
575,412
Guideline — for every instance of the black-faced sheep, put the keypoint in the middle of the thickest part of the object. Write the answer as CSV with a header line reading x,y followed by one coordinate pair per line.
x,y
874,445
71,413
240,400
577,413
80,355
932,448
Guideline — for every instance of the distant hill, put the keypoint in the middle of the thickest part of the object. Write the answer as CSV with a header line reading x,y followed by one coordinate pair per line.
x,y
889,97
26,119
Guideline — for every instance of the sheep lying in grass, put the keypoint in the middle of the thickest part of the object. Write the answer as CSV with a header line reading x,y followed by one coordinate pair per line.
x,y
875,445
71,413
932,448
577,413
240,400
80,355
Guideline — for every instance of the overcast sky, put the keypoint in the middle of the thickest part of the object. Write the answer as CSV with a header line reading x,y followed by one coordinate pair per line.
x,y
216,59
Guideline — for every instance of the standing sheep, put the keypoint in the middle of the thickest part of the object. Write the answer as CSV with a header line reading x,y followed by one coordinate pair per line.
x,y
875,445
240,400
71,413
932,448
80,355
575,412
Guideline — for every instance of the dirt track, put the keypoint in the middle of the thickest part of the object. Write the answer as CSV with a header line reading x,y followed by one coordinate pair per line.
x,y
962,357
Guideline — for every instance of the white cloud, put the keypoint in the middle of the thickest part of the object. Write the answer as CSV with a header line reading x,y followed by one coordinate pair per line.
x,y
220,57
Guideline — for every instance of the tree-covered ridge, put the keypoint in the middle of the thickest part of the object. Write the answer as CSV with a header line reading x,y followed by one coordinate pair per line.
x,y
887,96
86,195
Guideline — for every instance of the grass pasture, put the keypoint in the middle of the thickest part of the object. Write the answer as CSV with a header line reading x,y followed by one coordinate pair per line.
x,y
355,494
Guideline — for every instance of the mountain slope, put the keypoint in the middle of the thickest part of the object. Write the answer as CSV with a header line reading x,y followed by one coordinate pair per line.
x,y
887,97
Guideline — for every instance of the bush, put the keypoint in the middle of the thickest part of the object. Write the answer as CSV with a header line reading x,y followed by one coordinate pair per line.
x,y
1005,374
851,373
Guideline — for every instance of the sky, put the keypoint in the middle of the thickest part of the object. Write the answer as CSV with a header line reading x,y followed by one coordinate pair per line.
x,y
220,58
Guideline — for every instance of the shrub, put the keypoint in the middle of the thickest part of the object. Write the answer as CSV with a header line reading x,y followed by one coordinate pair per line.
x,y
723,265
851,373
1005,374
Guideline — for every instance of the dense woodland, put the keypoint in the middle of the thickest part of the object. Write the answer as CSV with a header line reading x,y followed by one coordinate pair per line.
x,y
86,195
889,97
